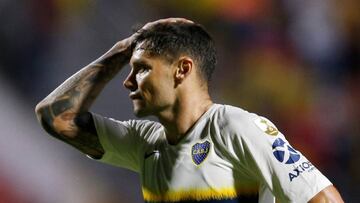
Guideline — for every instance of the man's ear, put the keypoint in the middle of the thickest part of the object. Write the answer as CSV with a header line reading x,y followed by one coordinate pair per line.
x,y
184,68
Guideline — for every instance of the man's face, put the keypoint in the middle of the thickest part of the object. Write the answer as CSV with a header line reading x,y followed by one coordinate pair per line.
x,y
151,83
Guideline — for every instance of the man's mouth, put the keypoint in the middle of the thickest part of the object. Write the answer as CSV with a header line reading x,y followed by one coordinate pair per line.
x,y
135,95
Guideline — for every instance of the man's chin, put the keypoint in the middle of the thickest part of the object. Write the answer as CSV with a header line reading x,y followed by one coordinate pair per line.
x,y
141,112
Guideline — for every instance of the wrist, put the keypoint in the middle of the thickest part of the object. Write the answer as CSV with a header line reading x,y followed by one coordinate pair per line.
x,y
118,56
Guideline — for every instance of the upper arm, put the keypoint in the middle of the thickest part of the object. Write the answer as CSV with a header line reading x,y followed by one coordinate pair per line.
x,y
77,130
329,194
272,160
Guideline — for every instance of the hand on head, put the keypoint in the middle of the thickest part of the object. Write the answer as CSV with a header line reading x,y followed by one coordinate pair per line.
x,y
124,46
166,21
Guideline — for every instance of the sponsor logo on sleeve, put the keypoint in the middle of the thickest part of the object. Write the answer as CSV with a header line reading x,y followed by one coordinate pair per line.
x,y
286,154
199,152
305,166
266,126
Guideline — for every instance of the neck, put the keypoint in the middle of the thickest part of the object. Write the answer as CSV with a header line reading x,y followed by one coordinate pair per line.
x,y
183,115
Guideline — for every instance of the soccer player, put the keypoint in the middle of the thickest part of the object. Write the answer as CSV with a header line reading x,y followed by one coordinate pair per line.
x,y
198,151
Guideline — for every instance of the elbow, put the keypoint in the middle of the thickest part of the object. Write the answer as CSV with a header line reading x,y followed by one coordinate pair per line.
x,y
43,115
56,125
41,111
38,110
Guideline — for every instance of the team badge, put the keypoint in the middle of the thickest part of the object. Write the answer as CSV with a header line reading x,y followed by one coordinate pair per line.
x,y
200,151
267,126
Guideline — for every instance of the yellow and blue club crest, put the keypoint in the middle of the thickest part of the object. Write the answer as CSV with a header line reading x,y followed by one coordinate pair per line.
x,y
200,151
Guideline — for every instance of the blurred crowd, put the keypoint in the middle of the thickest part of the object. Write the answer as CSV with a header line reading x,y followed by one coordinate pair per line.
x,y
294,62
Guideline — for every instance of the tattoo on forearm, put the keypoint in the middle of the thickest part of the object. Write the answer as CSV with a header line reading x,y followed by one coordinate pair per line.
x,y
74,97
69,100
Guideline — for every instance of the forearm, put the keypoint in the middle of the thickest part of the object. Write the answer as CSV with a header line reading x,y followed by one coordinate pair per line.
x,y
327,195
77,94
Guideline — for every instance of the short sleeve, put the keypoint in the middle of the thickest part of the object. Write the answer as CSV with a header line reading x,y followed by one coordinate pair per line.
x,y
269,158
125,142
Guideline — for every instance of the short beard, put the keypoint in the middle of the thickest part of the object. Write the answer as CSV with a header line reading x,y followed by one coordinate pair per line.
x,y
145,112
142,112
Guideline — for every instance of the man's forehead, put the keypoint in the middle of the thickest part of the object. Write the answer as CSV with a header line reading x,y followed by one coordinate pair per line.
x,y
138,54
141,53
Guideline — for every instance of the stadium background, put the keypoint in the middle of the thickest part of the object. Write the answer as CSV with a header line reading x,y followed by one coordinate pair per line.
x,y
295,62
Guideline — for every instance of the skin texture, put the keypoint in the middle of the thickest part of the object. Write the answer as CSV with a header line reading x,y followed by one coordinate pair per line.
x,y
172,91
160,88
327,195
150,83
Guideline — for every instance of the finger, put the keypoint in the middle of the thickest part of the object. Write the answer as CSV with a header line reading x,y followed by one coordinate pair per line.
x,y
174,20
181,20
167,21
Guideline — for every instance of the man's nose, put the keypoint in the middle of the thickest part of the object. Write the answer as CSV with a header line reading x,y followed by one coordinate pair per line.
x,y
130,82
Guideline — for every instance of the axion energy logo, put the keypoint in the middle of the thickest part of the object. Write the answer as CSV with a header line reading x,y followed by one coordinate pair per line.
x,y
284,153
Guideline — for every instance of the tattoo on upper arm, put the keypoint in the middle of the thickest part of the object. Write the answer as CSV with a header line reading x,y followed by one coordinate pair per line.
x,y
58,118
61,105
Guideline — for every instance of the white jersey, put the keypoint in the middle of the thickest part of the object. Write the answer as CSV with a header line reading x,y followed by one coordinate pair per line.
x,y
227,156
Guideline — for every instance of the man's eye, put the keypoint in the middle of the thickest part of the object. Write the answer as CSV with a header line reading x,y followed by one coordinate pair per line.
x,y
141,73
142,69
